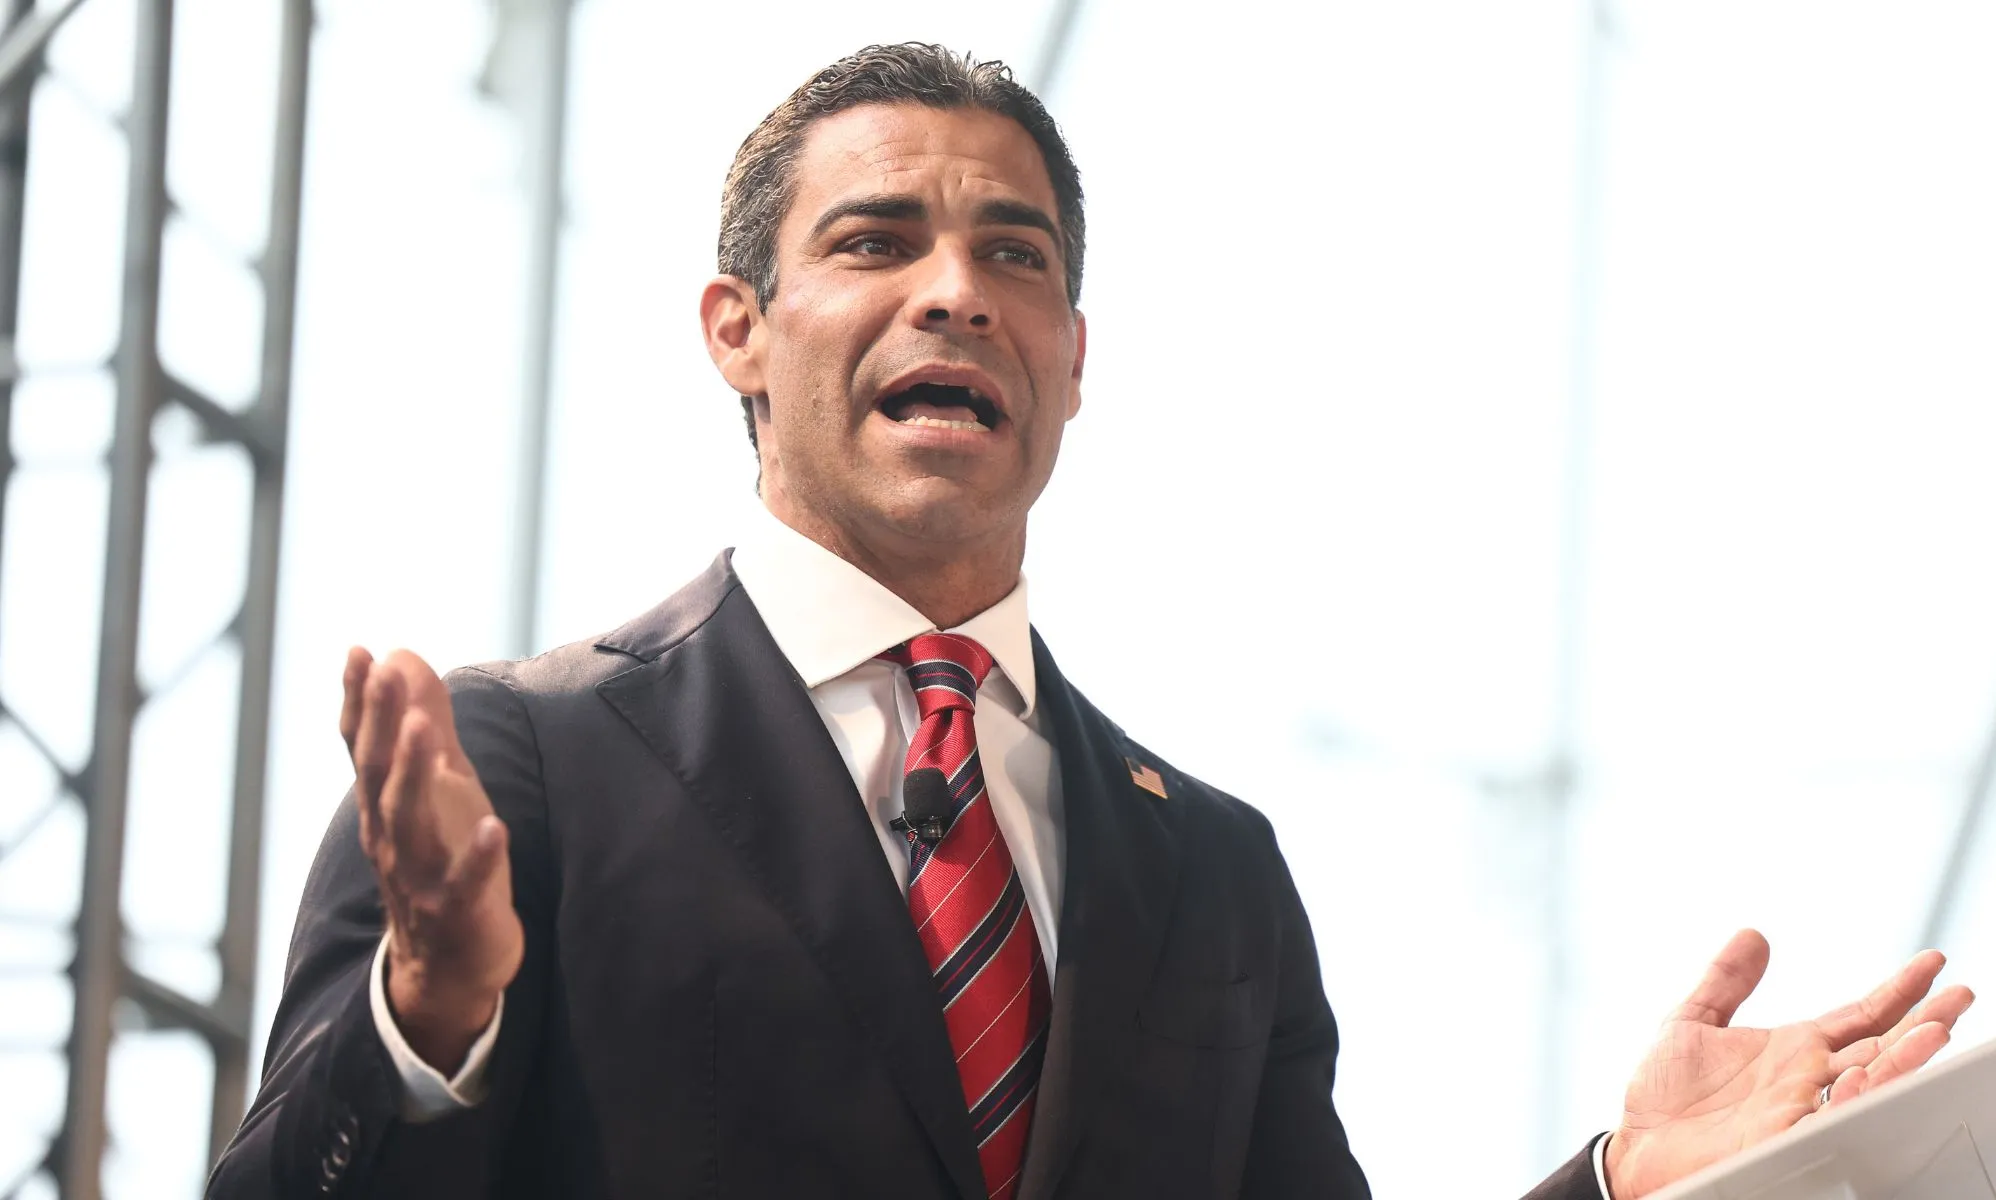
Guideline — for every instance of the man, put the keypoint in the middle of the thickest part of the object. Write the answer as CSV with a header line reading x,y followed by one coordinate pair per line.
x,y
820,879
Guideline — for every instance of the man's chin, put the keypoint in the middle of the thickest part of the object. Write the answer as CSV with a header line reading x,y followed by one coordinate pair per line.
x,y
945,513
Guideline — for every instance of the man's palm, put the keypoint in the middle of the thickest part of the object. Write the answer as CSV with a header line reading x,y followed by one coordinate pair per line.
x,y
439,853
1707,1090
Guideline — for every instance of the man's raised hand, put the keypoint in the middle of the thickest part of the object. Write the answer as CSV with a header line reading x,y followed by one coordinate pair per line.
x,y
439,853
1709,1089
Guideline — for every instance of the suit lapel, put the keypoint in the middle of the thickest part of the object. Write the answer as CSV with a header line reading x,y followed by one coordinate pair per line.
x,y
716,701
1121,875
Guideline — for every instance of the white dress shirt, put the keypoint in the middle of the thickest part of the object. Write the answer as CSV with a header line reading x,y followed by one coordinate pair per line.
x,y
830,619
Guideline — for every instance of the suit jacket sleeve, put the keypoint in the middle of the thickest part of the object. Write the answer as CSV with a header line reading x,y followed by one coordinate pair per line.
x,y
1298,1145
325,1118
1574,1181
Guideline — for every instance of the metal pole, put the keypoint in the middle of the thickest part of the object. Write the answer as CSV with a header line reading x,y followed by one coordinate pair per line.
x,y
14,111
1981,790
257,628
15,101
98,968
1053,47
27,37
545,162
1561,779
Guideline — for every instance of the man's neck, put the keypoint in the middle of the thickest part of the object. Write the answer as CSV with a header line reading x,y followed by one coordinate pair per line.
x,y
947,588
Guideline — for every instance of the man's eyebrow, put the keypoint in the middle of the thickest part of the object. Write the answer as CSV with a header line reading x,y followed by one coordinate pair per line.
x,y
881,208
1016,212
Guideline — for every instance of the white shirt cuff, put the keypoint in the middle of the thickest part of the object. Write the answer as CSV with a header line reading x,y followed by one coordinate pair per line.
x,y
426,1094
1600,1161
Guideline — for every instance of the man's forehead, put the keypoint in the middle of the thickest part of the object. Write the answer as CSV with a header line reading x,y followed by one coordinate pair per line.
x,y
907,147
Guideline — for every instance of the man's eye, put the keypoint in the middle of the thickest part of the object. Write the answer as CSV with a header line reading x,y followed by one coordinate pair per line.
x,y
869,245
1023,255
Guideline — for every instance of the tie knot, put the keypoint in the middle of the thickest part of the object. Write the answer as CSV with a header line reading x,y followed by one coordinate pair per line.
x,y
945,669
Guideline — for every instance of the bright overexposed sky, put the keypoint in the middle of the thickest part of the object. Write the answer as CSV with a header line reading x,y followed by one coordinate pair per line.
x,y
1353,269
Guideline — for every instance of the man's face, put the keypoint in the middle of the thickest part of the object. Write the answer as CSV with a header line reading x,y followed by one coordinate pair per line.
x,y
919,357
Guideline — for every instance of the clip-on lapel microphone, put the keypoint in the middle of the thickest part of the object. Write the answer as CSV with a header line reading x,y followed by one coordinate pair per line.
x,y
925,806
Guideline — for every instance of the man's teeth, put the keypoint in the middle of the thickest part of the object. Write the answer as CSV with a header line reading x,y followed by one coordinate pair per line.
x,y
940,423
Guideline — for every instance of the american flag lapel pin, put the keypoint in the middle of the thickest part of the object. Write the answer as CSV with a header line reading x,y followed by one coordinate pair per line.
x,y
1147,778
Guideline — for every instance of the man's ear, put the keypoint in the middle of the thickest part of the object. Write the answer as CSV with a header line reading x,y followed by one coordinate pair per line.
x,y
731,320
1080,356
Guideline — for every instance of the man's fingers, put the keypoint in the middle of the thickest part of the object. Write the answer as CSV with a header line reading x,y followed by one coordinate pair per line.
x,y
1885,1059
477,861
374,752
383,700
1944,1006
1848,1086
1728,981
1889,1001
425,690
353,702
1858,1054
353,683
1907,1055
406,818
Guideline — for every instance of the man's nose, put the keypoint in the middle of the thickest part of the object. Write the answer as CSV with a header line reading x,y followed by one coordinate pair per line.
x,y
950,296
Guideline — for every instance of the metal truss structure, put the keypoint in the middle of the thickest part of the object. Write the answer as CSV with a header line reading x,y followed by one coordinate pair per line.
x,y
102,976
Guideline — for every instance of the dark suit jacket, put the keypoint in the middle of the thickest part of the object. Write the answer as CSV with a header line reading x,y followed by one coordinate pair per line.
x,y
723,996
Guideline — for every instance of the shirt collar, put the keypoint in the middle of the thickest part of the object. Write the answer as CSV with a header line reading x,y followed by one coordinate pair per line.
x,y
828,616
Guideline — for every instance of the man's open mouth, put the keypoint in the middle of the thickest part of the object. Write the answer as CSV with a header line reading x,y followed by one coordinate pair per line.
x,y
942,405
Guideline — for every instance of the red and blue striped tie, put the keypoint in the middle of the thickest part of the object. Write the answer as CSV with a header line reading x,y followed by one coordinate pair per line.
x,y
970,913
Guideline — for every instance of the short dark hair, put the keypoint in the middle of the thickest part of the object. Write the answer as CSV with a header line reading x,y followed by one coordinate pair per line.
x,y
762,182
